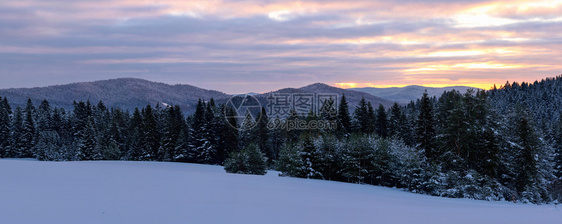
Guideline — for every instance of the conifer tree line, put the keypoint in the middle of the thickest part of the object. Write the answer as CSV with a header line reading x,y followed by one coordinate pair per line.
x,y
501,144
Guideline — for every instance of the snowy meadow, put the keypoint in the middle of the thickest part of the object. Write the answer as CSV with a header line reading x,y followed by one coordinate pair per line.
x,y
160,192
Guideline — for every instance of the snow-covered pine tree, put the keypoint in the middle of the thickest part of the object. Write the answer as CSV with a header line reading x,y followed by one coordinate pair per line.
x,y
329,156
292,134
381,122
290,162
356,159
263,136
250,160
425,128
394,121
150,135
87,142
278,137
28,133
228,141
530,152
134,136
5,122
343,118
556,186
310,158
202,149
172,130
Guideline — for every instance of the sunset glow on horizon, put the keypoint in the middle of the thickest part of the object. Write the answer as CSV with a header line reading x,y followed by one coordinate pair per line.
x,y
258,46
484,86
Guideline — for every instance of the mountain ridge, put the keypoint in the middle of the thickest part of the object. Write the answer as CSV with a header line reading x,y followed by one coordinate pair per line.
x,y
131,93
127,93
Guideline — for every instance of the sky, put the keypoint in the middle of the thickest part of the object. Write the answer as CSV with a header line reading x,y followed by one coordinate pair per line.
x,y
238,46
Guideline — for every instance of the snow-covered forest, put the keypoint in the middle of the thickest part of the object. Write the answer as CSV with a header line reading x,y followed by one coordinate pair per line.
x,y
501,144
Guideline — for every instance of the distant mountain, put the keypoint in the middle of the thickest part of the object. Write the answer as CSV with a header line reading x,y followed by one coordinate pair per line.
x,y
126,93
406,94
353,97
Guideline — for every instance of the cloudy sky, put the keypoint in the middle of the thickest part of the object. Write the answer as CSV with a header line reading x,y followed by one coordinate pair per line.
x,y
238,46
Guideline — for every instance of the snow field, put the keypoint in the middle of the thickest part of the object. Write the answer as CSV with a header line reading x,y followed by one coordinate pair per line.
x,y
157,192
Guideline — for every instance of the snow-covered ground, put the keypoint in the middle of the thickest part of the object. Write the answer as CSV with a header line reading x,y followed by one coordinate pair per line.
x,y
153,192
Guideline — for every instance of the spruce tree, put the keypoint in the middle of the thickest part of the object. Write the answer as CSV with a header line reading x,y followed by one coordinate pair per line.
x,y
250,160
228,133
370,126
394,122
362,119
292,130
343,117
5,123
170,134
310,159
263,136
425,128
150,140
203,151
28,132
48,139
381,123
135,135
278,138
16,146
528,146
87,142
290,162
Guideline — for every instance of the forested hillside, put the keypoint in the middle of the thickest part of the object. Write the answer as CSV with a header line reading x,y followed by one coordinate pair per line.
x,y
125,93
502,144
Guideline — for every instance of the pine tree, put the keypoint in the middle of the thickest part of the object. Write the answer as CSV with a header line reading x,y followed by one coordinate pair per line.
x,y
5,123
425,128
290,162
16,145
150,136
278,138
119,133
135,136
310,159
556,186
453,122
87,142
394,124
371,119
263,136
228,134
330,157
363,117
172,135
105,144
48,139
528,145
169,136
28,132
293,132
203,151
249,160
381,122
343,117
356,159
212,121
